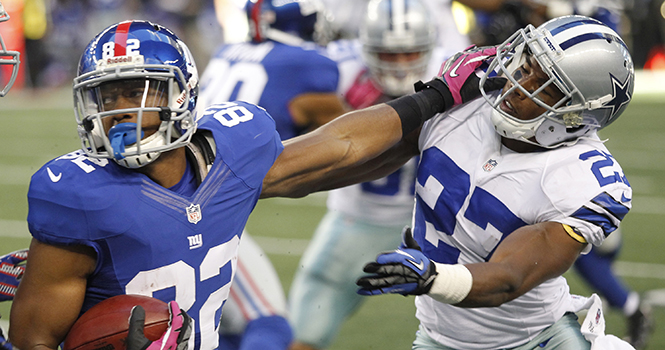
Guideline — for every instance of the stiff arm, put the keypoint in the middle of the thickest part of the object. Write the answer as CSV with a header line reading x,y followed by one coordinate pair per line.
x,y
346,147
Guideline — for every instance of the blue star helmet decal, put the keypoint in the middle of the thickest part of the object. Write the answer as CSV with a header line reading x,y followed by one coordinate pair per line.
x,y
620,96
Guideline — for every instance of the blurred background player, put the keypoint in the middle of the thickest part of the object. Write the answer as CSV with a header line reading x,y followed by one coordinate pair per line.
x,y
397,42
348,16
283,69
9,60
496,20
254,315
595,268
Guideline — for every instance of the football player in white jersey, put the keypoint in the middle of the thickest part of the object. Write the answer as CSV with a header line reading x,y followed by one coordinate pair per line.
x,y
511,187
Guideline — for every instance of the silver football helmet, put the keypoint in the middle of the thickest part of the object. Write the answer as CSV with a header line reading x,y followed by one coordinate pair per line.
x,y
8,57
586,60
397,27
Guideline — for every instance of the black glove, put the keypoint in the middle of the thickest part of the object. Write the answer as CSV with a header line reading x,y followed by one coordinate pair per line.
x,y
405,271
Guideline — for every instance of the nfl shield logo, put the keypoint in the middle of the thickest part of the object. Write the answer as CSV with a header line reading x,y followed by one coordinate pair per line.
x,y
490,165
194,213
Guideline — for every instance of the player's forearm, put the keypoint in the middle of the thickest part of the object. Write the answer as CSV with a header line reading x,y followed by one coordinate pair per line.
x,y
29,346
311,161
492,286
528,257
29,328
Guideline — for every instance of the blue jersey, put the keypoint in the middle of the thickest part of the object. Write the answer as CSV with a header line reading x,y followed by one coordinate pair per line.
x,y
269,74
150,240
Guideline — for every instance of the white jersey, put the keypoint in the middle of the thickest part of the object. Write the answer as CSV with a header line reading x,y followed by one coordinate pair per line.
x,y
472,192
387,201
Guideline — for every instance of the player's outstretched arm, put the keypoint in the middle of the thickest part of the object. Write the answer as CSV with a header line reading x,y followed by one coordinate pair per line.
x,y
334,155
349,141
50,295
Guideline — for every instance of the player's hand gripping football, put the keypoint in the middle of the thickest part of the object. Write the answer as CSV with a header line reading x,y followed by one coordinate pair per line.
x,y
12,267
405,271
175,337
457,80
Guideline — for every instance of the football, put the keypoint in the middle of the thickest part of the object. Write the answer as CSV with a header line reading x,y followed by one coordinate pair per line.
x,y
106,324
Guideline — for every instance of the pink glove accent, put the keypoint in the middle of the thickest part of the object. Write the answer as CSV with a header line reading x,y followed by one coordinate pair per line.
x,y
457,69
175,337
363,93
169,339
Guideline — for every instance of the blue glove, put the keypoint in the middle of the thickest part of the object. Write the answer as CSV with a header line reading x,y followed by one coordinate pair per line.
x,y
12,267
405,271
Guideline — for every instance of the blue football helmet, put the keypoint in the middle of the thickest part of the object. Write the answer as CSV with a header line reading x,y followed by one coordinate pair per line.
x,y
148,66
8,57
585,59
289,21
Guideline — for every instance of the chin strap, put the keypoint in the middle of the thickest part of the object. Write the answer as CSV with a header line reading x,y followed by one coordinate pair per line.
x,y
202,150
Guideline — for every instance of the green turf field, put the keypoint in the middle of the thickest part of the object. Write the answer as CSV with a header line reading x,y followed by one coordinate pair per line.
x,y
36,128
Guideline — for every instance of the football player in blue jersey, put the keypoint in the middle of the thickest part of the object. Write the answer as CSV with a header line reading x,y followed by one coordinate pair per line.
x,y
511,187
283,69
154,203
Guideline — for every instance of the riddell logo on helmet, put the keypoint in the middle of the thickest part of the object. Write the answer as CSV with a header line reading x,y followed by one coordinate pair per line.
x,y
120,61
183,95
181,99
115,60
